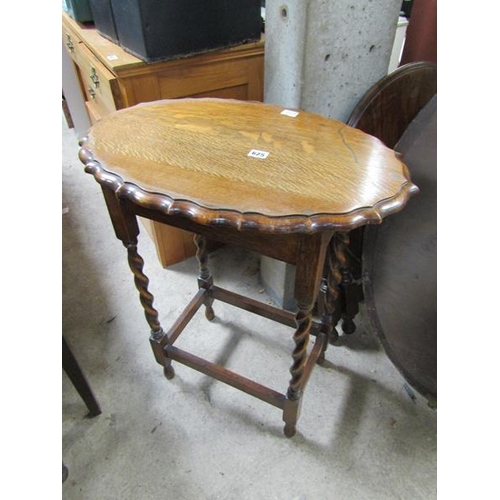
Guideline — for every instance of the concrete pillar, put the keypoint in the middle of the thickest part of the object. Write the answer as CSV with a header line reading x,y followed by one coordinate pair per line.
x,y
322,56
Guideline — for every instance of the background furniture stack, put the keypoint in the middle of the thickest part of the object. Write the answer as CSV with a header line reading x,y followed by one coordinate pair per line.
x,y
110,78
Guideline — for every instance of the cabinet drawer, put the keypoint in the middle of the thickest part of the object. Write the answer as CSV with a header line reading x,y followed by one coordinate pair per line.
x,y
100,85
71,41
95,114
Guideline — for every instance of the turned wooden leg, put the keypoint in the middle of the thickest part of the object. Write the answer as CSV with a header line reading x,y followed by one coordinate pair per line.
x,y
325,311
310,263
349,288
339,298
291,412
299,355
158,339
77,377
330,297
205,279
127,230
301,340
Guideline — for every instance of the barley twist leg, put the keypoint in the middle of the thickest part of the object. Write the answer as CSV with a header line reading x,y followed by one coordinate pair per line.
x,y
350,307
332,277
303,319
141,281
299,355
205,279
325,311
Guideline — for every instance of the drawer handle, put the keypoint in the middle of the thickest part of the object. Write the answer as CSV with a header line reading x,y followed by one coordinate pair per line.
x,y
94,77
91,92
69,43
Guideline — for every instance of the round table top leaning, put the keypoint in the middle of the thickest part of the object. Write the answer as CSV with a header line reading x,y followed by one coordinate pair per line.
x,y
247,165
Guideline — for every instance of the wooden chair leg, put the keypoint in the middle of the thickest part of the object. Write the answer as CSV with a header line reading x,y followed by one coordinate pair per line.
x,y
65,473
75,374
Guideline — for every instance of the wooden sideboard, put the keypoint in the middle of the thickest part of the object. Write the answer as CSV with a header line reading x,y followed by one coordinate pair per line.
x,y
112,79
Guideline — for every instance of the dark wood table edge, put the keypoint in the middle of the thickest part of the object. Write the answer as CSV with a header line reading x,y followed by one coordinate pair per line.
x,y
247,221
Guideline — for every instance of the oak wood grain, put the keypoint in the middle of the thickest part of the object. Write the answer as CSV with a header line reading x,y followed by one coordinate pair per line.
x,y
190,157
234,72
186,163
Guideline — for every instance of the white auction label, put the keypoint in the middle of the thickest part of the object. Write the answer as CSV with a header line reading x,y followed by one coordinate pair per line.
x,y
290,112
112,57
257,153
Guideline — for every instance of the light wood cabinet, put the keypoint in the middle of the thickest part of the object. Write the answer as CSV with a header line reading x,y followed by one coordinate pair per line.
x,y
112,79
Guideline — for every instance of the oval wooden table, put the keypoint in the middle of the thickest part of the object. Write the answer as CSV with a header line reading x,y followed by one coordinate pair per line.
x,y
283,183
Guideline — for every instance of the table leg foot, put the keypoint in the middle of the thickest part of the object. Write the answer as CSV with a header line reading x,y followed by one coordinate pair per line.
x,y
64,473
321,359
169,372
209,313
348,326
333,336
291,412
158,340
289,430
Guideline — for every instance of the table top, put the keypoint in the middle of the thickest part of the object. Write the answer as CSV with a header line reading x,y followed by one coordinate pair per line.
x,y
247,165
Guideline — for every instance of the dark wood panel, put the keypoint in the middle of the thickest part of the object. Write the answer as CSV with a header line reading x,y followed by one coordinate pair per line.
x,y
400,259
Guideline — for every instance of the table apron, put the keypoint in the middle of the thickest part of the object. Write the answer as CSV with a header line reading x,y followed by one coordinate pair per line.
x,y
283,247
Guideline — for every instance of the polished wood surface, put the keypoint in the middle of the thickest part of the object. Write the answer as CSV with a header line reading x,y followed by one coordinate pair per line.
x,y
233,72
124,80
185,163
75,373
396,262
400,265
386,110
319,173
